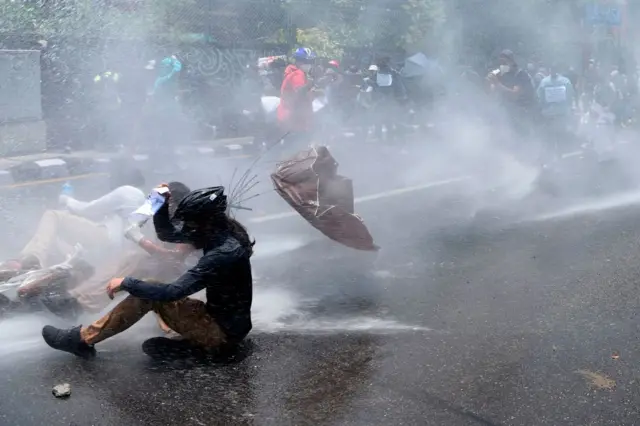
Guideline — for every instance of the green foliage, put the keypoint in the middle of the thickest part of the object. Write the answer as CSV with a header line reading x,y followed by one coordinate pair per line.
x,y
327,26
18,15
320,41
426,17
92,18
331,26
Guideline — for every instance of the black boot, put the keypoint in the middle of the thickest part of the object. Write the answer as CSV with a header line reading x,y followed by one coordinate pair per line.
x,y
68,341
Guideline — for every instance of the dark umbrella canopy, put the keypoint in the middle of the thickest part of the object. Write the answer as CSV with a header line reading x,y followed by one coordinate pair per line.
x,y
309,182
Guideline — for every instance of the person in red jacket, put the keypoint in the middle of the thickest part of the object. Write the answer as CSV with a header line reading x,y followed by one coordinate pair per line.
x,y
295,111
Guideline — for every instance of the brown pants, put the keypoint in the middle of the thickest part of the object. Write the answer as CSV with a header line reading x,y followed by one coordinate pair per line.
x,y
67,227
187,317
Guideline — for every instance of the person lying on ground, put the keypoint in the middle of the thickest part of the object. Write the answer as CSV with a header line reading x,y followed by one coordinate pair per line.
x,y
224,271
97,225
157,261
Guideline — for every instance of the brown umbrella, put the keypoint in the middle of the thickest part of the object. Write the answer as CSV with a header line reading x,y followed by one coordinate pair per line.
x,y
310,184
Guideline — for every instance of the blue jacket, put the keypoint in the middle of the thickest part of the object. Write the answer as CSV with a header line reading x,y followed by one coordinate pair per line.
x,y
165,87
555,95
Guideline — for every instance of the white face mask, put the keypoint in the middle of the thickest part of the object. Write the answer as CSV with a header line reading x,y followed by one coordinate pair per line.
x,y
504,69
305,67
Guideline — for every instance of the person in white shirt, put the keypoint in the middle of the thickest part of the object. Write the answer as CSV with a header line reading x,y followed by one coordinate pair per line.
x,y
152,260
98,226
146,258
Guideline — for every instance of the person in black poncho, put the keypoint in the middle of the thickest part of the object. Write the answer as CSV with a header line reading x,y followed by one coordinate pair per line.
x,y
224,271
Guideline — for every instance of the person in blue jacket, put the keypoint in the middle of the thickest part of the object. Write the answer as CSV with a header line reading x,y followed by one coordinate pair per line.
x,y
224,272
556,99
163,111
166,84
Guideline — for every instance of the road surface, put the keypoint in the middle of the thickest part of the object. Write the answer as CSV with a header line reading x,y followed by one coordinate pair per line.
x,y
454,323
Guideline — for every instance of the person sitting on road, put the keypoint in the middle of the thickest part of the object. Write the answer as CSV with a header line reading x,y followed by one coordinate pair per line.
x,y
81,293
157,261
224,271
97,225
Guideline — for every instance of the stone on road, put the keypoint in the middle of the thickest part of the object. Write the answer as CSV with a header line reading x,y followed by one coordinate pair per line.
x,y
62,391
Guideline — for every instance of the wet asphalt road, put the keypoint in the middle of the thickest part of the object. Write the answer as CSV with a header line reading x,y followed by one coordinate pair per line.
x,y
454,323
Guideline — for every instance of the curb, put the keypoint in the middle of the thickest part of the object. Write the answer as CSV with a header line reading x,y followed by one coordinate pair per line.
x,y
70,165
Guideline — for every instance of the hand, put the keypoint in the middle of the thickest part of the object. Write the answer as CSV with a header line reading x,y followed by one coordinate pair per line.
x,y
134,233
114,286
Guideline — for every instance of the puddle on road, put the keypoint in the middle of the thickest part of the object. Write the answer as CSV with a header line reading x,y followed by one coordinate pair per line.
x,y
276,310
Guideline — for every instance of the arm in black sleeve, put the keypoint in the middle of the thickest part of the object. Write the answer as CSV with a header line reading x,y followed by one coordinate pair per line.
x,y
164,228
205,273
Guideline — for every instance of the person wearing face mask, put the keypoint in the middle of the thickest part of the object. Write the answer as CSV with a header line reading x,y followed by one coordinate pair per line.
x,y
295,111
514,87
224,272
556,96
539,75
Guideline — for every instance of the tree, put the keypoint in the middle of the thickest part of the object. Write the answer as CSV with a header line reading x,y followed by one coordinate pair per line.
x,y
92,18
426,19
18,15
331,26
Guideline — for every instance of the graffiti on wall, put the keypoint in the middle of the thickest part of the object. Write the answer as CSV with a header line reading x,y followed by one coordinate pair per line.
x,y
220,66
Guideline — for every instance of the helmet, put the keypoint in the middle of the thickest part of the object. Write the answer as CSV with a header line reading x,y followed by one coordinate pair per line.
x,y
334,64
303,54
202,204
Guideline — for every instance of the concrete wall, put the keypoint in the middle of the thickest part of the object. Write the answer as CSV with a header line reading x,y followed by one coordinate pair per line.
x,y
21,127
22,137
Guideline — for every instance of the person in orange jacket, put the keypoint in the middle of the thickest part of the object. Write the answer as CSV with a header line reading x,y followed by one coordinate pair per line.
x,y
295,111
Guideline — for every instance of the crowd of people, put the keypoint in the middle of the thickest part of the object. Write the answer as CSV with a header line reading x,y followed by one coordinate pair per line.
x,y
346,98
553,104
556,103
563,108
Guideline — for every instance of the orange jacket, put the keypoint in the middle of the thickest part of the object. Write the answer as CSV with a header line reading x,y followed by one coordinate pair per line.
x,y
295,111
